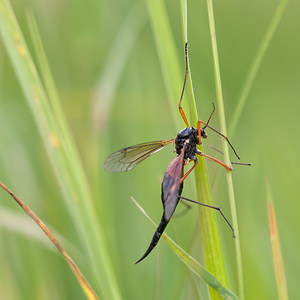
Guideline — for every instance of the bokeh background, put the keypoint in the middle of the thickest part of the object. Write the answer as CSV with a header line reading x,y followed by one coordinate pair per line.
x,y
106,67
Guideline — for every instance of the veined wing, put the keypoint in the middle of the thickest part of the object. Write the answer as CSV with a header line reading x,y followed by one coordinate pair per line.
x,y
127,158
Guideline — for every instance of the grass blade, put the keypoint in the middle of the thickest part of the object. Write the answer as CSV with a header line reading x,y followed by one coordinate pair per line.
x,y
220,105
256,65
168,57
210,236
191,263
276,251
91,295
60,148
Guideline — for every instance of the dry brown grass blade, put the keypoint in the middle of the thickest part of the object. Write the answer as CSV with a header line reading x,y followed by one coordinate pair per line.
x,y
90,293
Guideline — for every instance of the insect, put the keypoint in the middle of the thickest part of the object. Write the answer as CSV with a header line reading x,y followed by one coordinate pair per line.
x,y
186,143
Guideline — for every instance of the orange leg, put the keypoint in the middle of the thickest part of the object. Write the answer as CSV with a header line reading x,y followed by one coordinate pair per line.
x,y
216,160
205,124
199,132
188,172
186,163
184,83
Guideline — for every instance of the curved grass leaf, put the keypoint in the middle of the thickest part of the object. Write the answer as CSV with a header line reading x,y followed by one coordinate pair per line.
x,y
61,150
193,264
90,293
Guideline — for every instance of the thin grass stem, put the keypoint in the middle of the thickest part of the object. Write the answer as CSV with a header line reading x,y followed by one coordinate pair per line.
x,y
220,105
212,250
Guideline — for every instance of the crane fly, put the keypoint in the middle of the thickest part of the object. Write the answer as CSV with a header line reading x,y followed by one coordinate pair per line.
x,y
186,143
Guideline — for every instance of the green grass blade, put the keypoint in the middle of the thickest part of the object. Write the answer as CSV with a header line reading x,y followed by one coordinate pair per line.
x,y
72,160
276,249
61,150
174,78
170,66
212,250
184,19
193,264
256,65
220,106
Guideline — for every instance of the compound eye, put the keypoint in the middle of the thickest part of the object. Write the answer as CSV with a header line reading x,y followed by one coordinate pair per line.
x,y
203,134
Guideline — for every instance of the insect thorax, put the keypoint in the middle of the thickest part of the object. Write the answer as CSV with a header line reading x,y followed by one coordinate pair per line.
x,y
188,137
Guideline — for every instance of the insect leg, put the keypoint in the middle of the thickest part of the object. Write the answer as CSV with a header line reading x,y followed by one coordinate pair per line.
x,y
216,131
188,172
199,124
213,207
233,163
182,213
216,160
184,83
199,132
214,108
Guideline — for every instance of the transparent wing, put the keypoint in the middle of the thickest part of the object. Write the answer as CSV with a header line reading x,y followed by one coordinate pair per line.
x,y
127,158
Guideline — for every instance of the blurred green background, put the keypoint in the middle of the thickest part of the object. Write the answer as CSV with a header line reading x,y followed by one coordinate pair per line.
x,y
106,68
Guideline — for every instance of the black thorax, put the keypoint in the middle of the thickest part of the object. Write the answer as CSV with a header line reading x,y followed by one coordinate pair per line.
x,y
188,137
